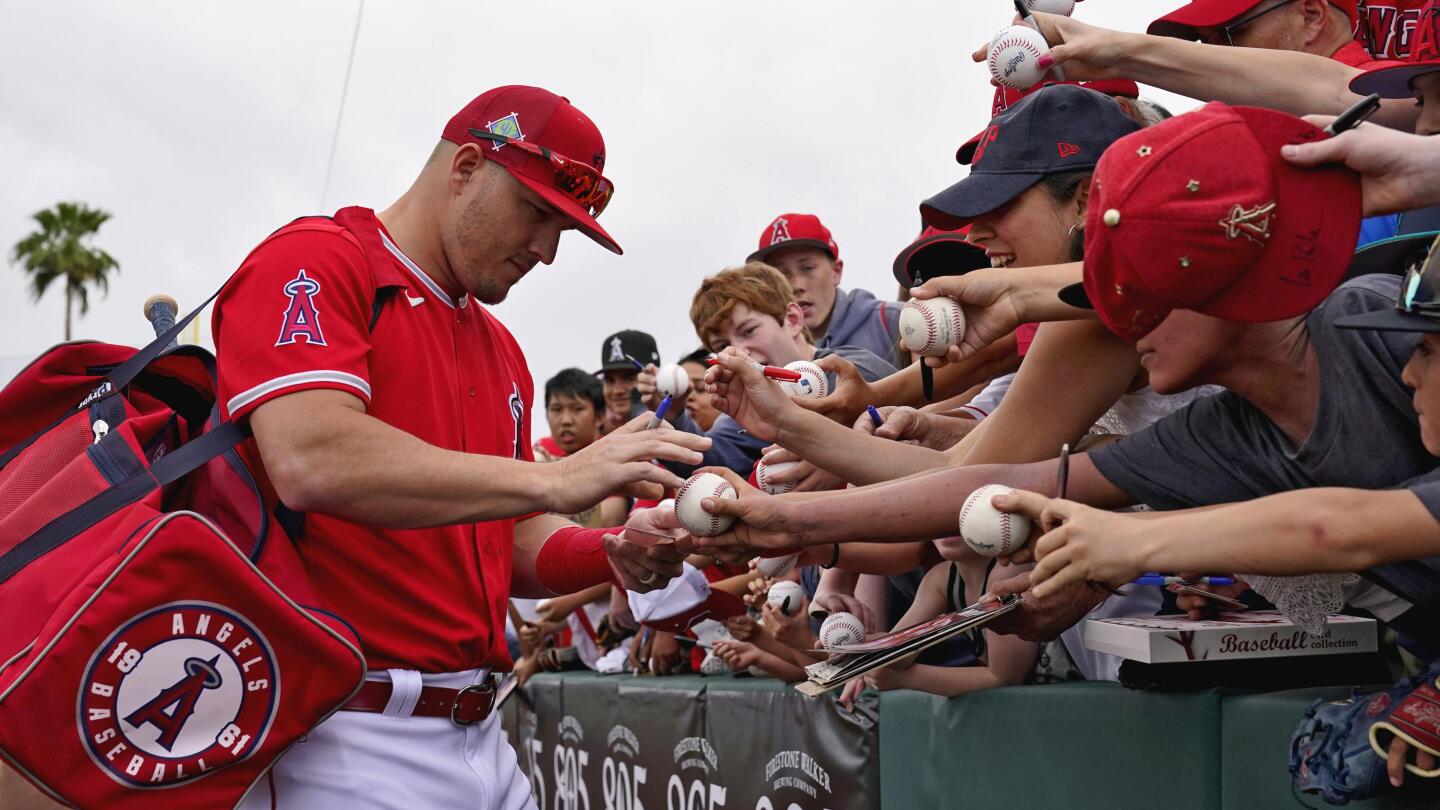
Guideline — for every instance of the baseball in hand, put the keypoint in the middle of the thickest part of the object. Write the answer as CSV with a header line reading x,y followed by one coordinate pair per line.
x,y
786,596
841,628
776,566
1062,7
672,381
812,380
687,504
987,530
765,472
931,326
1014,56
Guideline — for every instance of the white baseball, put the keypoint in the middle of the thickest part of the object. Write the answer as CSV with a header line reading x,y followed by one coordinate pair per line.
x,y
764,471
687,504
1062,7
931,326
1014,55
812,380
986,529
841,628
776,566
786,596
672,381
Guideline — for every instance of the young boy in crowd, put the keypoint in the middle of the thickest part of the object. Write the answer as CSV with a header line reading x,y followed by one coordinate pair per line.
x,y
751,307
622,355
802,249
574,407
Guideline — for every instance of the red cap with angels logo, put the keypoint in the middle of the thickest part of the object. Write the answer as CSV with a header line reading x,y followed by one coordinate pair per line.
x,y
1201,213
540,117
794,230
1394,81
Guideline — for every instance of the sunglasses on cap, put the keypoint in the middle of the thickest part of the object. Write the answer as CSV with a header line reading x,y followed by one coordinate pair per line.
x,y
1420,290
578,181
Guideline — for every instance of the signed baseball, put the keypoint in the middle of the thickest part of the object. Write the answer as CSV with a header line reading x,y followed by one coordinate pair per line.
x,y
687,504
987,530
1062,7
812,380
841,628
776,566
672,381
765,471
931,326
1014,57
786,596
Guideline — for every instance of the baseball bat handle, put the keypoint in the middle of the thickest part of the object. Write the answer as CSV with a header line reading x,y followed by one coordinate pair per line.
x,y
161,311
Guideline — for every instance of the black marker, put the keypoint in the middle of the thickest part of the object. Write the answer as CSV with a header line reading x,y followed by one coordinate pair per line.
x,y
1356,115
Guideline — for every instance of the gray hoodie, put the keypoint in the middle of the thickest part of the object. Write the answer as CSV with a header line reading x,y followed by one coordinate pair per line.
x,y
860,320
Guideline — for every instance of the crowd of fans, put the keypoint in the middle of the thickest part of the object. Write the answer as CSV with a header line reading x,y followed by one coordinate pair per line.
x,y
1228,315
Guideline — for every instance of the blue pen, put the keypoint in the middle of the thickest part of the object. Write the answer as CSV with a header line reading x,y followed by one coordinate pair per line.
x,y
1158,579
659,413
639,366
874,415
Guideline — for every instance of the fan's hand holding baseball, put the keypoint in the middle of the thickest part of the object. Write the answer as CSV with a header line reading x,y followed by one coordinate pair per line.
x,y
620,462
644,567
1084,52
761,521
852,393
990,299
1398,171
739,389
845,603
1079,543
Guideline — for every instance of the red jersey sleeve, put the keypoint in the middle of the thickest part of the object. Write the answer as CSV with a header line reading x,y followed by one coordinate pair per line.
x,y
294,317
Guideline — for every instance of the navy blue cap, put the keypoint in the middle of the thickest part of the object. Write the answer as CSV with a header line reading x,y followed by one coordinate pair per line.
x,y
1060,128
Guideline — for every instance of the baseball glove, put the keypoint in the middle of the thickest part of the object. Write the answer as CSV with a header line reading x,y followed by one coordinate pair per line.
x,y
1339,748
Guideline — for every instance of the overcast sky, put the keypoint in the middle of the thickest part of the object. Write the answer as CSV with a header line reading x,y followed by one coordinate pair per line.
x,y
204,126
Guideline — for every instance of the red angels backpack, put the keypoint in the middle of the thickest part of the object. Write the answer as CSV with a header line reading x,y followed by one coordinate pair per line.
x,y
160,643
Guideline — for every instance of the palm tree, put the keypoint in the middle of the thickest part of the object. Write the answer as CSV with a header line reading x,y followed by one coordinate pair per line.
x,y
58,250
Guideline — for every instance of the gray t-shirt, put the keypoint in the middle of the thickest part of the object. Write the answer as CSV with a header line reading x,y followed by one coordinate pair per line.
x,y
1366,435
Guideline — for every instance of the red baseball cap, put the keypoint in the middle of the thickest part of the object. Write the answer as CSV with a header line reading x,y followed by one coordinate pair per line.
x,y
938,253
1394,81
1201,213
540,117
794,230
1183,22
1007,97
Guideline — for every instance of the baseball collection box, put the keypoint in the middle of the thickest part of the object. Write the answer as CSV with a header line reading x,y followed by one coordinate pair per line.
x,y
1252,634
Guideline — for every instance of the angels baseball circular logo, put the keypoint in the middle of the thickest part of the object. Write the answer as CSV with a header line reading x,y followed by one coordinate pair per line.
x,y
176,692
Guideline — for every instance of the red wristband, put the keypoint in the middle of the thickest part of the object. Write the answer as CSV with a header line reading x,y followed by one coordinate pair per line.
x,y
573,558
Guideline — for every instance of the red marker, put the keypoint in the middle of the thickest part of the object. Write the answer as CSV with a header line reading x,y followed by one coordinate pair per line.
x,y
773,372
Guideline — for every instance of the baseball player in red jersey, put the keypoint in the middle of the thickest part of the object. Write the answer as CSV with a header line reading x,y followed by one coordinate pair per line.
x,y
389,411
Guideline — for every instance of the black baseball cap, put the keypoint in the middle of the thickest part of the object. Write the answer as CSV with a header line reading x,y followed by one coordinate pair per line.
x,y
1060,128
938,253
616,351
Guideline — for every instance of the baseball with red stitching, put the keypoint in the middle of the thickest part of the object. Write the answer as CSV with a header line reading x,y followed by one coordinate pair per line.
x,y
776,566
687,504
841,628
672,381
765,471
812,381
987,530
931,326
1062,7
786,596
1014,57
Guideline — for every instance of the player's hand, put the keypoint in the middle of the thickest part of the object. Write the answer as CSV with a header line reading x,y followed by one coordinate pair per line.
x,y
1398,171
850,396
805,476
845,603
1084,52
762,521
664,654
1395,760
1041,618
647,565
1078,543
618,463
738,388
645,384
